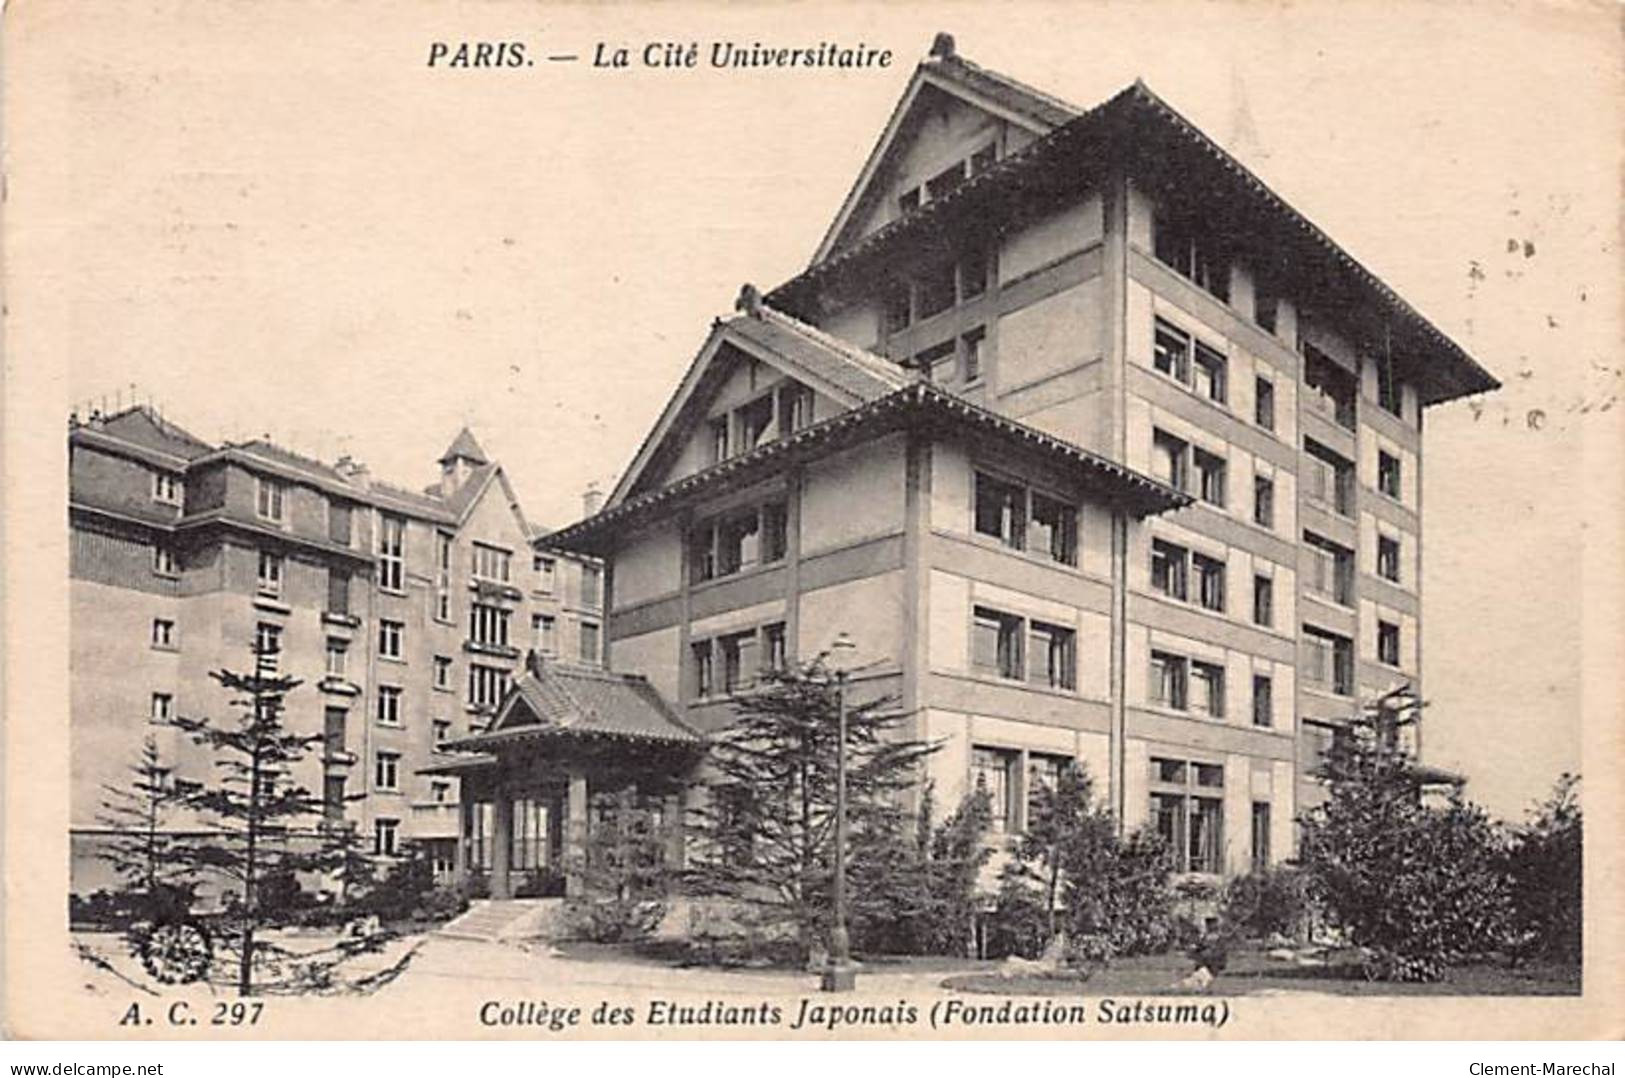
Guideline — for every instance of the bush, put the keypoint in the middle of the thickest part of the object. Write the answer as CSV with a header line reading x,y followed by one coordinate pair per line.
x,y
1546,866
1272,902
611,920
1020,922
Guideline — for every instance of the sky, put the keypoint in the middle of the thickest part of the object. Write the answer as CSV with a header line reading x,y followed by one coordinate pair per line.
x,y
279,220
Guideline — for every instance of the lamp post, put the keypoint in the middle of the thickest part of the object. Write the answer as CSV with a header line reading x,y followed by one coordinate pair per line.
x,y
839,974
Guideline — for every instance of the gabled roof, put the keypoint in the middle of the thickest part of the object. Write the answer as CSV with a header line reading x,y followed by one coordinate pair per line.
x,y
842,371
465,447
1144,134
555,699
917,405
947,72
142,426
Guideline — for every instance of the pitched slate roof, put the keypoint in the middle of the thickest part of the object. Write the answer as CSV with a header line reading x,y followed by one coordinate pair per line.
x,y
578,701
142,426
465,446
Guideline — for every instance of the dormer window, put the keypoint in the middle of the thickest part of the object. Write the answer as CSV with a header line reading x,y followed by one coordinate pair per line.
x,y
268,500
166,488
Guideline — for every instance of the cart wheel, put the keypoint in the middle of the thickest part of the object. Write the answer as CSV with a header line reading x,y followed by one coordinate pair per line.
x,y
177,952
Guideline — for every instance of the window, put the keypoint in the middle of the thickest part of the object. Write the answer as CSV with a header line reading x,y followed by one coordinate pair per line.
x,y
592,586
739,663
896,307
442,576
442,672
1388,643
1266,306
1329,478
166,488
387,771
267,647
970,348
1261,836
1331,388
1023,519
546,572
390,634
1209,581
589,641
718,437
1264,501
162,707
1388,474
1207,689
1327,660
1052,528
775,648
1044,772
1211,376
487,685
1187,804
704,671
739,541
488,625
1389,396
1170,680
1330,569
1171,352
333,798
338,523
1210,477
1052,656
163,560
983,159
268,499
1388,558
1264,403
1263,601
338,592
931,358
934,291
385,837
544,633
945,181
999,508
1180,246
1170,459
996,644
992,771
755,424
334,721
1170,569
391,553
163,633
442,731
1263,706
972,274
389,705
338,656
491,563
270,574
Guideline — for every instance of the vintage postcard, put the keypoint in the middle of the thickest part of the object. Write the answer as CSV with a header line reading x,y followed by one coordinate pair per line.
x,y
812,521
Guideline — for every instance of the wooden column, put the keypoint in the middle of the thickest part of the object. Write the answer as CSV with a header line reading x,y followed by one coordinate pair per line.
x,y
575,835
501,843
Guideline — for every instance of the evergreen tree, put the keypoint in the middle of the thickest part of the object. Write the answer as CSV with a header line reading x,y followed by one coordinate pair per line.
x,y
1547,867
1420,886
140,845
766,827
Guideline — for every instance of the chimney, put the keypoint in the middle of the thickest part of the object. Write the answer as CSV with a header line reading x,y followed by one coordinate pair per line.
x,y
533,662
353,471
592,500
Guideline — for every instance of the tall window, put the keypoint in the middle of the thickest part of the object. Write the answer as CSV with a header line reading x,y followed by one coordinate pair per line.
x,y
1210,476
442,671
270,574
1170,459
486,685
1388,643
733,662
1171,352
488,625
389,705
754,424
1210,374
992,770
1263,601
738,541
338,591
1389,396
268,495
338,523
546,570
1330,568
164,562
970,352
334,721
1331,388
1263,704
491,563
1388,474
1388,558
162,707
775,647
999,510
392,553
1329,478
1264,403
1209,581
338,656
1170,569
1207,689
718,436
1170,677
795,408
996,644
1264,501
442,576
592,586
544,633
589,641
739,662
704,668
390,638
386,837
1261,836
267,647
1180,245
1052,656
1025,519
387,771
163,633
1326,660
1187,804
166,488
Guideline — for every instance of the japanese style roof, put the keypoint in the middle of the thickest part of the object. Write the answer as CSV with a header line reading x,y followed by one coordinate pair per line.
x,y
913,404
465,447
555,700
142,429
1140,131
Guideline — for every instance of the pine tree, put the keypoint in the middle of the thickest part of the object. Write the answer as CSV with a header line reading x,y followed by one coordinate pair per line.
x,y
140,845
766,829
267,825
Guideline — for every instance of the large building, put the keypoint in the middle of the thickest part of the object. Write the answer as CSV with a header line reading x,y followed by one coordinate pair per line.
x,y
1098,449
404,612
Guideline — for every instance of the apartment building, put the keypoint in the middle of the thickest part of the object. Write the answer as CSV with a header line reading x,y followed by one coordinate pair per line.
x,y
1098,450
404,612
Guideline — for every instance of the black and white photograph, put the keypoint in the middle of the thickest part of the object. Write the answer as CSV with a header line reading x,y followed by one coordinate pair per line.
x,y
813,521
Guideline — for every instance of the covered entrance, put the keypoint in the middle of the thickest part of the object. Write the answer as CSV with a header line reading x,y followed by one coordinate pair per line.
x,y
565,740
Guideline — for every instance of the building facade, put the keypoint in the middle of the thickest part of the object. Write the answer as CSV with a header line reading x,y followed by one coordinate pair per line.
x,y
405,613
1099,450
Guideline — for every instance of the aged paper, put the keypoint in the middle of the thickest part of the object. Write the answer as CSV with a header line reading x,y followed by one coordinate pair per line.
x,y
1063,383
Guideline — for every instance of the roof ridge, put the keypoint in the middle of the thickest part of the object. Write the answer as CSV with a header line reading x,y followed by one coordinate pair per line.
x,y
876,363
1010,81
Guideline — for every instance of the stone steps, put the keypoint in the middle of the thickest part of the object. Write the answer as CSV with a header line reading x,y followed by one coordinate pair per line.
x,y
494,921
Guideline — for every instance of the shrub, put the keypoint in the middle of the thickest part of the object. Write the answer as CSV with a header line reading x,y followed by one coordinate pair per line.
x,y
1545,863
1020,922
914,888
611,920
1271,902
